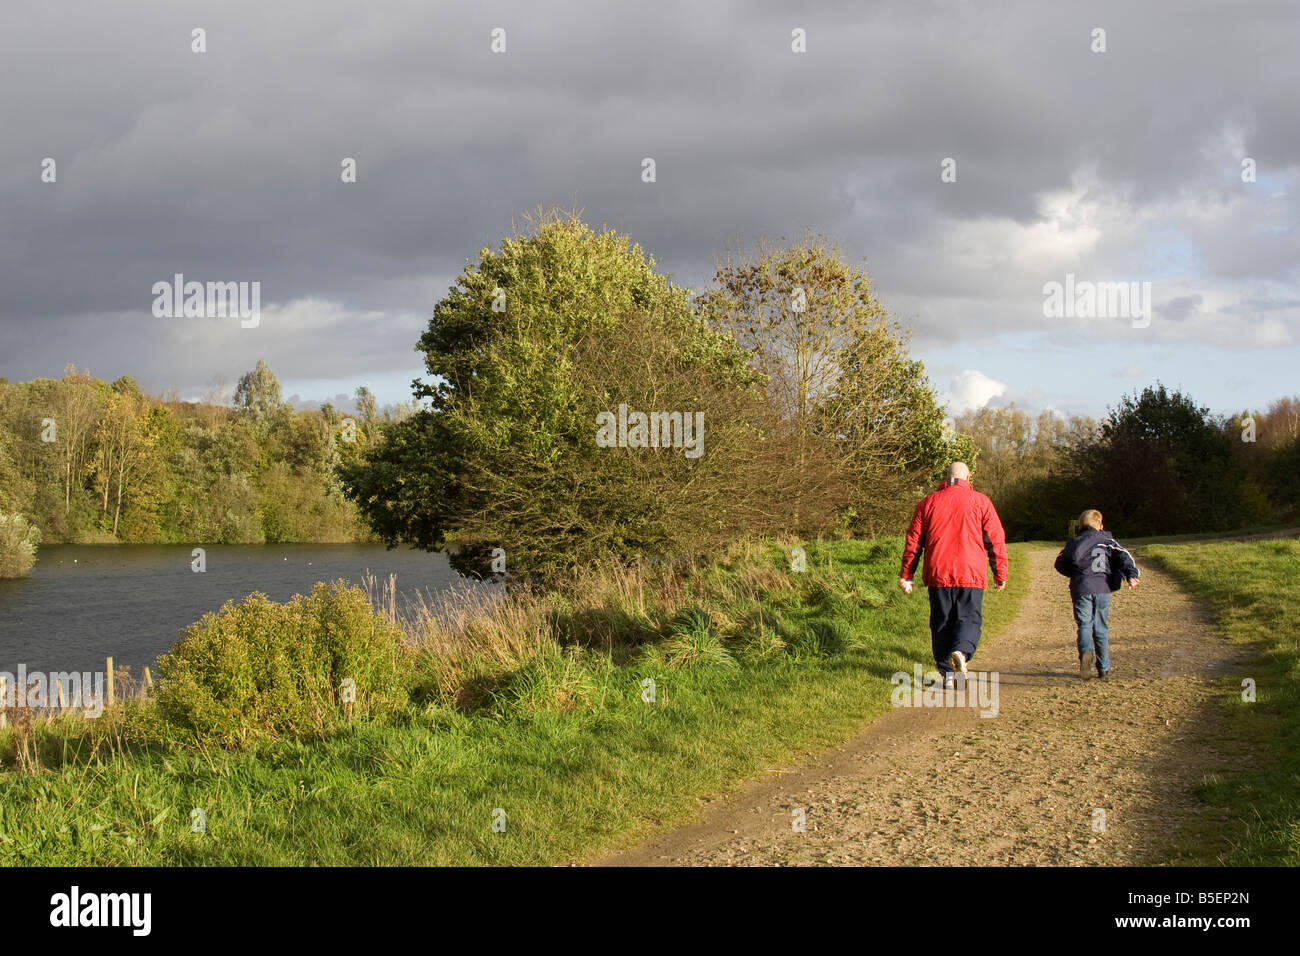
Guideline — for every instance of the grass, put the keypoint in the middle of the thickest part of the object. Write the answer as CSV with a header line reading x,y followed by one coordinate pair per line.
x,y
540,707
1253,588
1272,529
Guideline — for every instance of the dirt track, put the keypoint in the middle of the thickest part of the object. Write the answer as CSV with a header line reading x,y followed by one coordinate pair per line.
x,y
945,786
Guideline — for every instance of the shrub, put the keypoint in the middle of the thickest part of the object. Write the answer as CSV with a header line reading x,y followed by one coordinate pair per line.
x,y
258,668
18,541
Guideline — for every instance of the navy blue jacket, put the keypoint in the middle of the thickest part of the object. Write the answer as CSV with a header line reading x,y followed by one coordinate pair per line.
x,y
1095,563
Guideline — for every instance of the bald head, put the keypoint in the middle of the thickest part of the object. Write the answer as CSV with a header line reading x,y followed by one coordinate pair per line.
x,y
958,470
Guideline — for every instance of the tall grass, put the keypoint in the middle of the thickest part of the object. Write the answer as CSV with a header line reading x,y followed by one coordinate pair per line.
x,y
468,635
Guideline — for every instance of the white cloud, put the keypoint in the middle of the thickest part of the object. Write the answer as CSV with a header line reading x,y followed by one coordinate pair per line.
x,y
971,390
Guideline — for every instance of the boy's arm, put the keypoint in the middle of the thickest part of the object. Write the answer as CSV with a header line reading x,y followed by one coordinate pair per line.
x,y
1127,565
1062,563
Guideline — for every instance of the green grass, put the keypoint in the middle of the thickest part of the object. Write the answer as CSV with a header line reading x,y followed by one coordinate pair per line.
x,y
1192,538
1270,528
564,743
1253,589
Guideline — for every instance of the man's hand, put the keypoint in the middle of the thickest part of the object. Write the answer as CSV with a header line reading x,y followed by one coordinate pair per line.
x,y
999,585
1132,583
906,585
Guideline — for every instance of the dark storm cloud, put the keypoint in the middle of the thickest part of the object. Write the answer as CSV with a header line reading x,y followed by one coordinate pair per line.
x,y
225,165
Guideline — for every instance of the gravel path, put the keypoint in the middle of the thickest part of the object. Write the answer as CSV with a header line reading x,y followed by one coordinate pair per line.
x,y
1028,786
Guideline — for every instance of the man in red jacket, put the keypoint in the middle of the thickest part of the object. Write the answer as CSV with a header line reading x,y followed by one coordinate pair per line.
x,y
958,530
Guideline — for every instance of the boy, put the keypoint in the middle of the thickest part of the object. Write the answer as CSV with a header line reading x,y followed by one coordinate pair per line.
x,y
1095,565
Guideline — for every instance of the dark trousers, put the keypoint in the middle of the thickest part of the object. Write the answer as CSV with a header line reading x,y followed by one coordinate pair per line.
x,y
955,618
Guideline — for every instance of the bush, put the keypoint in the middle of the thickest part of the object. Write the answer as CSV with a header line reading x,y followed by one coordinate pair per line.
x,y
18,541
258,668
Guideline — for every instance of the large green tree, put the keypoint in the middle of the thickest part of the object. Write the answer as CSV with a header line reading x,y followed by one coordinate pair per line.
x,y
527,348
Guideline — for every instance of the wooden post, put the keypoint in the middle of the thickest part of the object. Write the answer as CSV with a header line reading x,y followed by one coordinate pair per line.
x,y
108,681
148,680
58,694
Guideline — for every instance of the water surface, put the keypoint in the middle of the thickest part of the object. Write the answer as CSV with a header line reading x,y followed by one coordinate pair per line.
x,y
83,603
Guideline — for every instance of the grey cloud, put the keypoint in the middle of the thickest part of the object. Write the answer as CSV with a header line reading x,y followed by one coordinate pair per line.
x,y
225,166
1180,307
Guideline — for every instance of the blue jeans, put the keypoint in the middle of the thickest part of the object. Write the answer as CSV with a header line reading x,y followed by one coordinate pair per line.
x,y
1090,611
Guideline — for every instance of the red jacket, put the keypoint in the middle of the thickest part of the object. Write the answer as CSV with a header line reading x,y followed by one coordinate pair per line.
x,y
958,530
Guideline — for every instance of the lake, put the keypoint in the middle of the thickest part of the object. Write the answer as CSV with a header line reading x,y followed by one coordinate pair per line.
x,y
83,603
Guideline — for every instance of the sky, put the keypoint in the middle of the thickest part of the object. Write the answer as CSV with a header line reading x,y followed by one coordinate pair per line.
x,y
1123,164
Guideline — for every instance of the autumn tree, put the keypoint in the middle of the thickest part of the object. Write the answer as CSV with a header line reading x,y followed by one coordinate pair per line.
x,y
839,376
125,440
76,417
367,409
1029,465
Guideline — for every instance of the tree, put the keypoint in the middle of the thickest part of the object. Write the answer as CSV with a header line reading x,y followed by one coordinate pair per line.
x,y
125,440
528,346
839,375
1279,426
887,429
16,481
32,483
76,416
1164,465
367,410
1027,466
258,392
798,309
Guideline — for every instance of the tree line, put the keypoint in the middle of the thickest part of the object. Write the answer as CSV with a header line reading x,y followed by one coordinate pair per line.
x,y
1156,463
84,460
